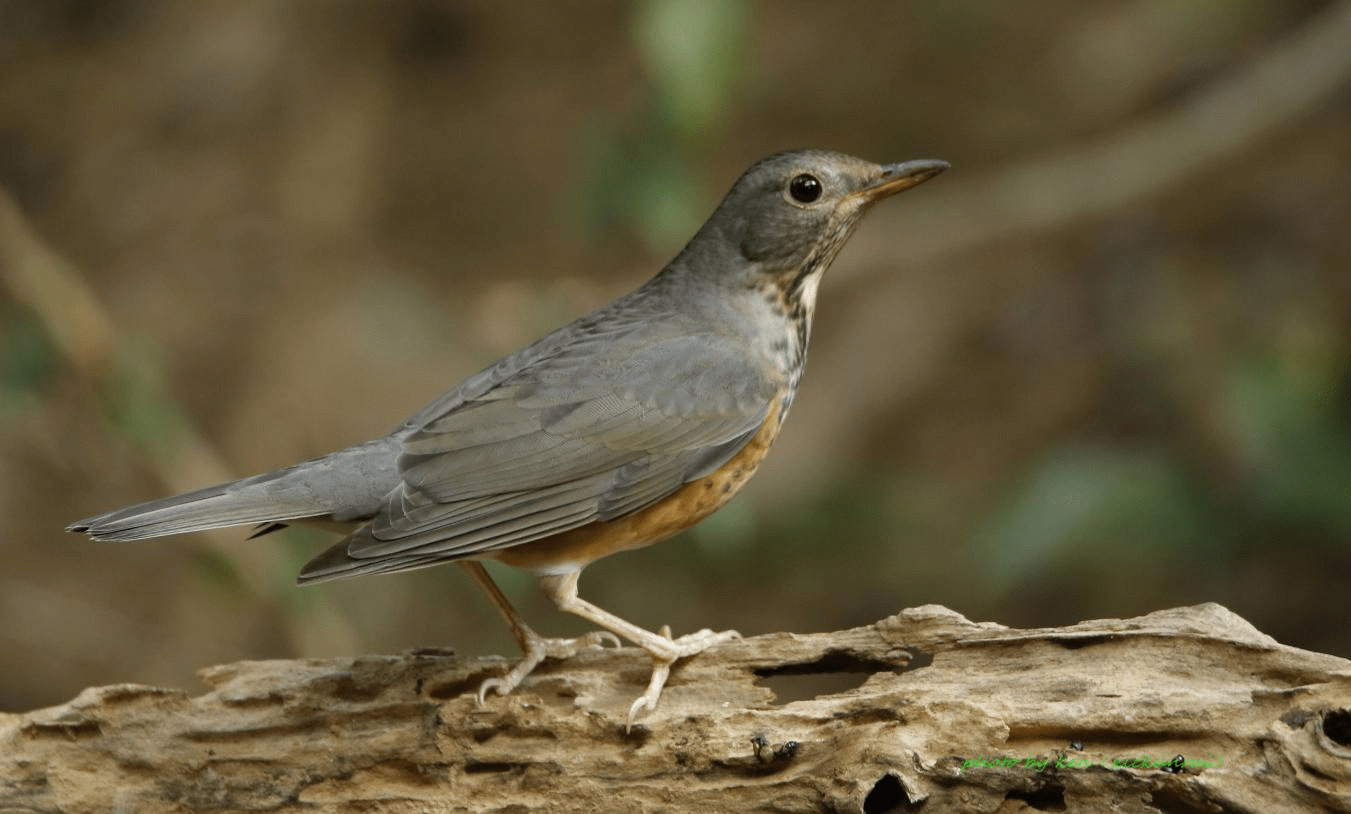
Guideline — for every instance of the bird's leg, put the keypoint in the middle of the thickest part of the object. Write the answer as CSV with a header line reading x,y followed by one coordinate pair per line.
x,y
535,647
665,651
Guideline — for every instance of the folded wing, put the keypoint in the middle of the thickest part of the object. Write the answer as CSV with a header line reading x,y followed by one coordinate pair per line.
x,y
570,439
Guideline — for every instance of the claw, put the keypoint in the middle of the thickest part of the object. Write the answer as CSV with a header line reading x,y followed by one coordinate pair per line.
x,y
684,647
665,651
598,638
499,685
536,649
647,702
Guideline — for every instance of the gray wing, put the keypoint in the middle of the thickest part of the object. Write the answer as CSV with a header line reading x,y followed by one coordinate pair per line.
x,y
591,431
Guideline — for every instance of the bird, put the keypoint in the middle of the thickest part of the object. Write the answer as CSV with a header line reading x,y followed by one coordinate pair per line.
x,y
613,432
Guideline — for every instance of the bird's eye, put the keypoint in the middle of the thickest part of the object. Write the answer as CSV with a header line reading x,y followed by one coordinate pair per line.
x,y
804,188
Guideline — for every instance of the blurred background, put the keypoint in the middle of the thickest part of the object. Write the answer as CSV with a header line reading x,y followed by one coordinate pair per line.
x,y
1100,367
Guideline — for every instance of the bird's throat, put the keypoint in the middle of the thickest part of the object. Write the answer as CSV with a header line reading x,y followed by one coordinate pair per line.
x,y
791,296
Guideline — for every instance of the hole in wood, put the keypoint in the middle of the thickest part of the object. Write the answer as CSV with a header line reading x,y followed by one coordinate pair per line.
x,y
465,686
1337,726
832,674
888,795
1050,797
491,768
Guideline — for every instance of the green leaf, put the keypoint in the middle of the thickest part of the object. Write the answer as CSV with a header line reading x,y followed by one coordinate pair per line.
x,y
694,51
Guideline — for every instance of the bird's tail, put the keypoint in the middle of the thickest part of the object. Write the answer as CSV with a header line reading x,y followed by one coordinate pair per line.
x,y
344,486
227,504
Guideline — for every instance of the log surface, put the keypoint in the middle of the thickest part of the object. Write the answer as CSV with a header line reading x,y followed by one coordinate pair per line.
x,y
921,711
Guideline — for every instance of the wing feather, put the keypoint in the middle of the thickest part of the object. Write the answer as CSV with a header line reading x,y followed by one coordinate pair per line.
x,y
593,430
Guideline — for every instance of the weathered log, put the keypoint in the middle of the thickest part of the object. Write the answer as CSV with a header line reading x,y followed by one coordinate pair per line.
x,y
1185,710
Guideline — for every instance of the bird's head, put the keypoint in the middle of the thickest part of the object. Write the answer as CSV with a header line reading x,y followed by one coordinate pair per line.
x,y
796,209
788,215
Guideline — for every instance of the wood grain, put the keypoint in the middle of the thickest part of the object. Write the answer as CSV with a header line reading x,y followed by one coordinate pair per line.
x,y
923,710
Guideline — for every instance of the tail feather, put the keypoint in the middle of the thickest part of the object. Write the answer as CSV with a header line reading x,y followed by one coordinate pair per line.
x,y
228,504
344,486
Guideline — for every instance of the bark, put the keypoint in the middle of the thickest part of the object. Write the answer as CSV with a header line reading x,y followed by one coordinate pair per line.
x,y
922,711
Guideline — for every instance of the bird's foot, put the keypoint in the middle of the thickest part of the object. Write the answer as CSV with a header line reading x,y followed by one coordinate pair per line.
x,y
668,653
536,649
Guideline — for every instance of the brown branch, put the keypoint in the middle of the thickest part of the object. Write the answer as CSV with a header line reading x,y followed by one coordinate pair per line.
x,y
941,711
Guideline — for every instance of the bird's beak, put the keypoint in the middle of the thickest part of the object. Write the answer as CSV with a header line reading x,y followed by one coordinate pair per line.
x,y
898,177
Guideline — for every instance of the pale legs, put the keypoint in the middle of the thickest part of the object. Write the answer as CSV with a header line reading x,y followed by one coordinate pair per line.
x,y
562,590
534,647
